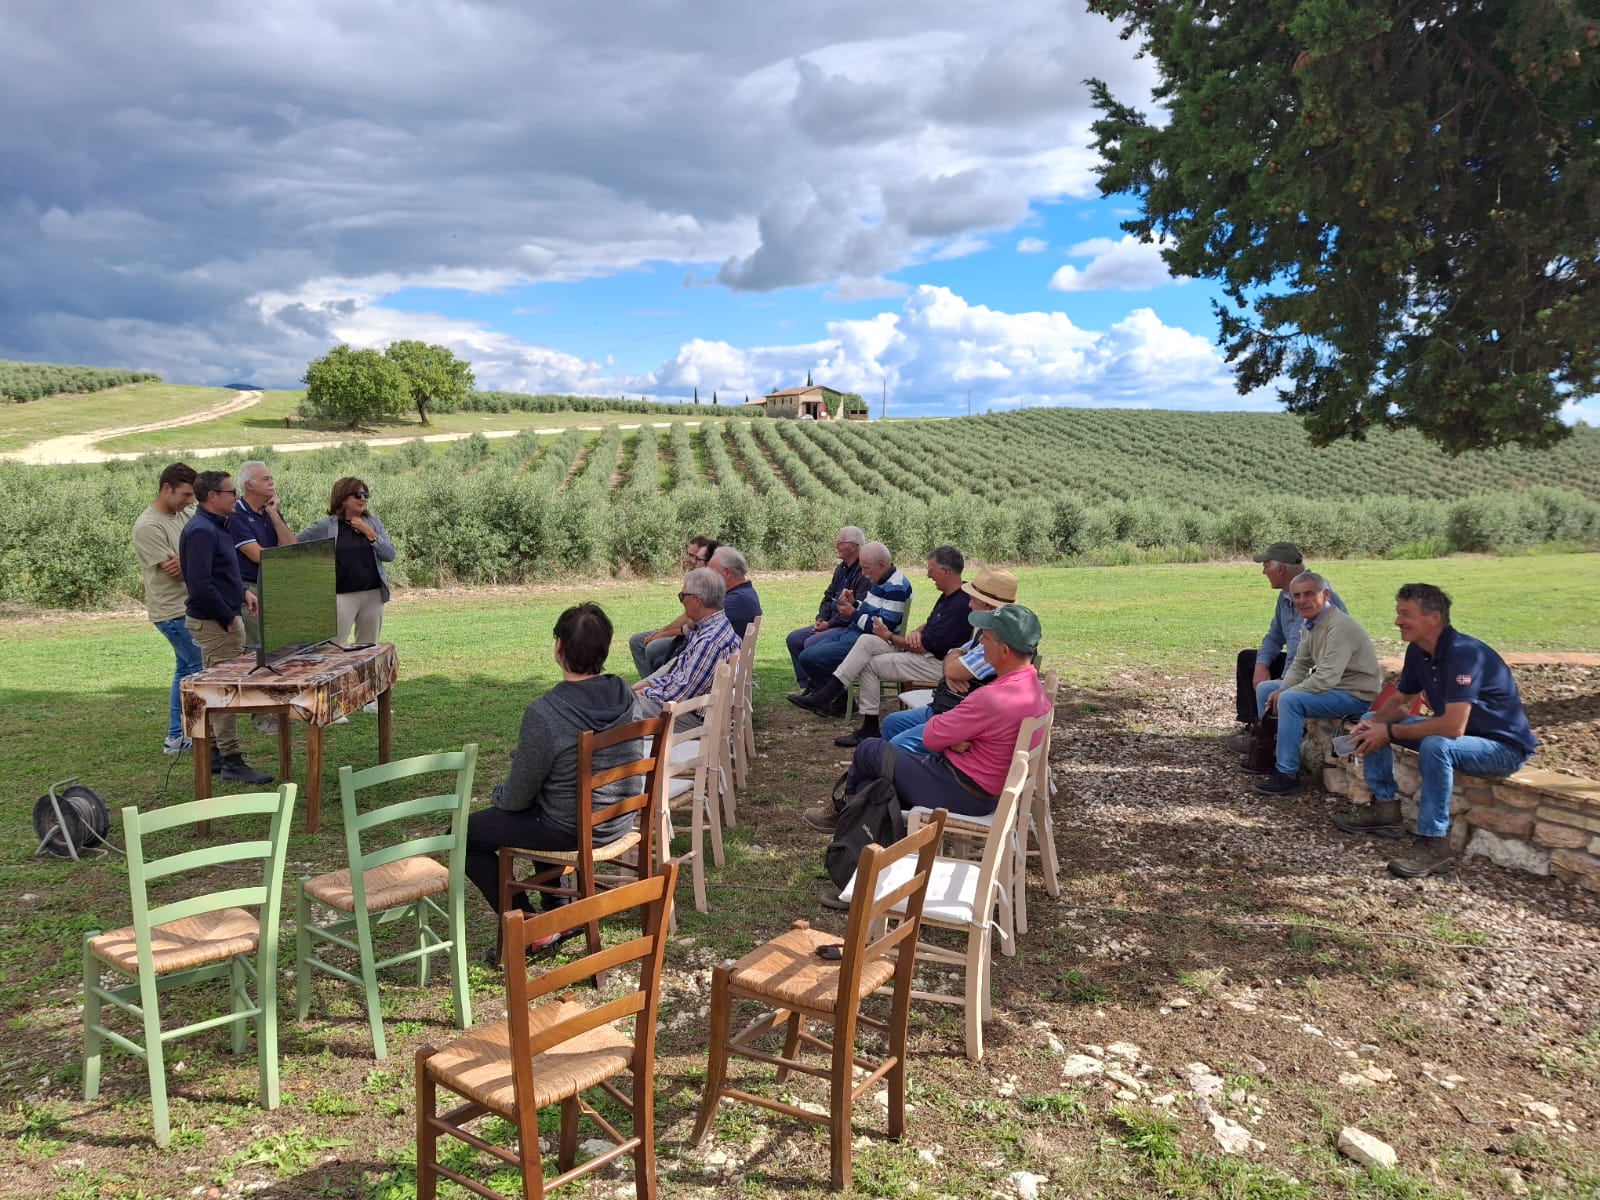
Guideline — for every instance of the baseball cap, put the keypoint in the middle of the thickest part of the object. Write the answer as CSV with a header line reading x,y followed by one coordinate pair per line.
x,y
1284,552
1015,625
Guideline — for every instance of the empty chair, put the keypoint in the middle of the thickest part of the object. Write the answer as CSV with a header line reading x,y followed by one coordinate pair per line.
x,y
393,876
795,984
554,1052
203,936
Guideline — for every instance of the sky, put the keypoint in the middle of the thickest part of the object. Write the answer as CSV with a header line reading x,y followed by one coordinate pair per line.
x,y
643,197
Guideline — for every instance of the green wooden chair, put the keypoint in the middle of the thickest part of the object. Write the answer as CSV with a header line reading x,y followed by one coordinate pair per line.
x,y
397,880
194,939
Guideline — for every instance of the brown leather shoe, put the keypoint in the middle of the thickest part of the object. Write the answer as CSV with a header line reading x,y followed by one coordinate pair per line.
x,y
1381,818
822,817
1427,856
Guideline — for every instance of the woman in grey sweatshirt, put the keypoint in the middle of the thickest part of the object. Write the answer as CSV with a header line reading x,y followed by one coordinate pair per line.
x,y
537,805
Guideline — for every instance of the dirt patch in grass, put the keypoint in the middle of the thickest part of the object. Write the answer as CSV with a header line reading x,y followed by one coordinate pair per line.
x,y
1218,965
1563,706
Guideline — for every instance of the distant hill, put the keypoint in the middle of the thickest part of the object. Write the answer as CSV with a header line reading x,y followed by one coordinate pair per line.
x,y
32,381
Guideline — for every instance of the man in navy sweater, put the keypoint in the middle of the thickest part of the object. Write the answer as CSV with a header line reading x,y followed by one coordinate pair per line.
x,y
216,600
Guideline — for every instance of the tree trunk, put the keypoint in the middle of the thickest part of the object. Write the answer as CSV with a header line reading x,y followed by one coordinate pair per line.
x,y
422,410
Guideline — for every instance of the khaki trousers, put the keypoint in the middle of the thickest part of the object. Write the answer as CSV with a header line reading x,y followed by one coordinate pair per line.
x,y
872,660
362,611
218,645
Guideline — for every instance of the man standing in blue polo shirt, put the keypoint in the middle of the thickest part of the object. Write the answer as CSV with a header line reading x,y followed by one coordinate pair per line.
x,y
1479,726
215,599
256,525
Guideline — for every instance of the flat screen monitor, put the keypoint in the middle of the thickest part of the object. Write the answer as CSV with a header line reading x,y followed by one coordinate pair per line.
x,y
298,604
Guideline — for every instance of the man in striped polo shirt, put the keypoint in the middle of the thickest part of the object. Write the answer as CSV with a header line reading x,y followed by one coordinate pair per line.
x,y
888,598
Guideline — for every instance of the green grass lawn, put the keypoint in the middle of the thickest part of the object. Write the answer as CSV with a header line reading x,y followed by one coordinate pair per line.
x,y
135,404
263,424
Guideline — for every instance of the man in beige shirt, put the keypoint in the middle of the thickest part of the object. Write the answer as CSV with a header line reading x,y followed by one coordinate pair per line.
x,y
1335,673
155,544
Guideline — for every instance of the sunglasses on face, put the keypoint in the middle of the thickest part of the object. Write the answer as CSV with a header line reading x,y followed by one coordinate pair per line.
x,y
359,495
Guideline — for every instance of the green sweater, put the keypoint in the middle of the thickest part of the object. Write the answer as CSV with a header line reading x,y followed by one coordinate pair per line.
x,y
1335,653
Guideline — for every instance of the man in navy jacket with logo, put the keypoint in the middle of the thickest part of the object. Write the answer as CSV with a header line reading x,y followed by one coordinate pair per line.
x,y
1478,726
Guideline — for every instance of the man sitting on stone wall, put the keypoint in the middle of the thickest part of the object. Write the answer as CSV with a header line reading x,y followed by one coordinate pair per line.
x,y
1280,563
1335,673
916,657
1478,726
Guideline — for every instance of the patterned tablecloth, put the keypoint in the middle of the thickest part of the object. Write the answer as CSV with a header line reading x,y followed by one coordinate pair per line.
x,y
318,686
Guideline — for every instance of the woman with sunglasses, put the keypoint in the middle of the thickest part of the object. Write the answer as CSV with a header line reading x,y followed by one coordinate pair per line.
x,y
363,547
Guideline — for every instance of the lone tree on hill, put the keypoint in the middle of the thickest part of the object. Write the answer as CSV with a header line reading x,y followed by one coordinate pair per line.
x,y
435,377
355,387
1401,201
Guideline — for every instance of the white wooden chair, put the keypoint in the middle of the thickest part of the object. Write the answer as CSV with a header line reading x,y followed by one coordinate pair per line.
x,y
963,896
741,731
696,774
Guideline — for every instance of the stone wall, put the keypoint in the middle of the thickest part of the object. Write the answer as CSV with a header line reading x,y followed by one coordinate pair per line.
x,y
1539,821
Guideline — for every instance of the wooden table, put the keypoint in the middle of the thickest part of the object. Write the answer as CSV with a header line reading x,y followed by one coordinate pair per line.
x,y
317,686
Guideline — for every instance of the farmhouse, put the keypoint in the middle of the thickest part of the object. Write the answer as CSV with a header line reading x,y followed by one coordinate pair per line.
x,y
814,401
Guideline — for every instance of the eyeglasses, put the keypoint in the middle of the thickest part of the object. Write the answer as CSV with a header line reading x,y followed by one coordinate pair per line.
x,y
225,491
682,596
359,495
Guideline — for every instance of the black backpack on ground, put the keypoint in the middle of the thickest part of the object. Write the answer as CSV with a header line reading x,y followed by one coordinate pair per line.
x,y
873,814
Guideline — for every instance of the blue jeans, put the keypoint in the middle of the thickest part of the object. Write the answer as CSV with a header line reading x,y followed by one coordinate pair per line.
x,y
822,654
800,640
1294,708
1437,760
904,728
183,645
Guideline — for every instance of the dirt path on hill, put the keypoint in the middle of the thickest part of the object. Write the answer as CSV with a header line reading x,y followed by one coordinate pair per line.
x,y
79,447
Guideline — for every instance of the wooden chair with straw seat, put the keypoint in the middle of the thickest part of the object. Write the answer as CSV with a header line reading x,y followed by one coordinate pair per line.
x,y
632,851
795,984
695,773
742,729
554,1052
193,939
393,876
963,896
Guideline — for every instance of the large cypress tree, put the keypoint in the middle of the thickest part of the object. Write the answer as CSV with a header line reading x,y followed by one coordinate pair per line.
x,y
1401,201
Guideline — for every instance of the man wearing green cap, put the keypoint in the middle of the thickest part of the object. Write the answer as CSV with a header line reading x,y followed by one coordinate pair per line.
x,y
969,748
1280,563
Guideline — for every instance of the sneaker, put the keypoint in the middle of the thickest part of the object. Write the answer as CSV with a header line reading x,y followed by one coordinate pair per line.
x,y
829,898
1427,856
236,770
177,745
822,817
1381,818
370,708
1278,784
545,947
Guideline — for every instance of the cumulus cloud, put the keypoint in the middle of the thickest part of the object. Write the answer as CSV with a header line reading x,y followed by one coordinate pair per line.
x,y
1124,265
164,213
938,346
1032,245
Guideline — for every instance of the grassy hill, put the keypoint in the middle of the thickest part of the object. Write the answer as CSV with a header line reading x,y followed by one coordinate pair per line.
x,y
1043,485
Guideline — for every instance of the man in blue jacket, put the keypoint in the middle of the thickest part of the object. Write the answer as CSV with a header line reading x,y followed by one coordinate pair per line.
x,y
1478,726
847,578
212,611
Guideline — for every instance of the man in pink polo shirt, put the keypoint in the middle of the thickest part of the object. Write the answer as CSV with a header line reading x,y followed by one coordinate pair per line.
x,y
969,748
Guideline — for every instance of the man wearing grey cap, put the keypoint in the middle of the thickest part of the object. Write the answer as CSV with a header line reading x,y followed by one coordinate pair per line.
x,y
1280,563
